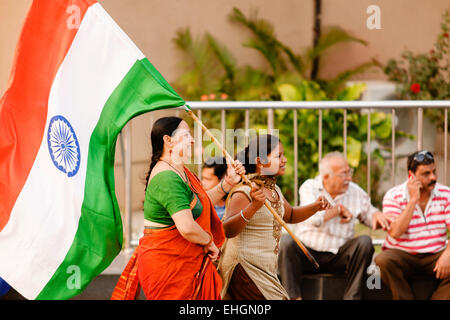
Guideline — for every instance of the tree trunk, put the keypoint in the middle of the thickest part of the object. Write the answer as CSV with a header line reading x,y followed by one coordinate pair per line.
x,y
316,37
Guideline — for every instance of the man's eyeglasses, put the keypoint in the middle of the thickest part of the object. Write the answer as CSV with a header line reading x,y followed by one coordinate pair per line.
x,y
422,155
344,175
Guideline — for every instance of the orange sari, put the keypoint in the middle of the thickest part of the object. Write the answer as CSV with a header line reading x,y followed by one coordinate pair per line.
x,y
169,267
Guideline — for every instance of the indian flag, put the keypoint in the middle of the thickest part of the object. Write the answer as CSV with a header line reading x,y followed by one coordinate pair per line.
x,y
77,80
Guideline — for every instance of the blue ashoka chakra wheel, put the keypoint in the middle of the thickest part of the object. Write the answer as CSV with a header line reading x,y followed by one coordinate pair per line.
x,y
63,146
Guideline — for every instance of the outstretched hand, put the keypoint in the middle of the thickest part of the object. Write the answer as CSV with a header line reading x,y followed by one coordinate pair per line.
x,y
382,220
323,203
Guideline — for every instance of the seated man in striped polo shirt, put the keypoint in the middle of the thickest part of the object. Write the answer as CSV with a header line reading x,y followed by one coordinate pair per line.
x,y
416,241
329,235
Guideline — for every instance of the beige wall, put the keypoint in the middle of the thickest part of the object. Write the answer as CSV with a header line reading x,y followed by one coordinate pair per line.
x,y
151,24
412,24
12,15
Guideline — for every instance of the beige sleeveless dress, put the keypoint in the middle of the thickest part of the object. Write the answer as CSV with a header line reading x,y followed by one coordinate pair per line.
x,y
256,250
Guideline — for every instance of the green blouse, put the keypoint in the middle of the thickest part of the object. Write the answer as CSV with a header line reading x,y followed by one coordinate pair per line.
x,y
167,194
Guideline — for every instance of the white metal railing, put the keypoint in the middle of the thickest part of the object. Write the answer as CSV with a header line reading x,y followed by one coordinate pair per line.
x,y
270,106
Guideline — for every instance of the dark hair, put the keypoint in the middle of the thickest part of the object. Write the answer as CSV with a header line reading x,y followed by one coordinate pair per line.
x,y
219,164
161,127
418,158
261,146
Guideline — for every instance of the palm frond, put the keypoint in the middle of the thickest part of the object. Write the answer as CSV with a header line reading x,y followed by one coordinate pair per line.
x,y
228,62
253,84
202,69
260,27
334,85
183,39
296,60
225,57
331,36
265,40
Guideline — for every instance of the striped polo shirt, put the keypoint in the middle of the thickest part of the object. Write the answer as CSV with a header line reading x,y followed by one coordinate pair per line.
x,y
427,231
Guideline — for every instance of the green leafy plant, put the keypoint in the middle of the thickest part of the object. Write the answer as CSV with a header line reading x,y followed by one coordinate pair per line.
x,y
425,76
200,64
290,67
212,73
332,133
211,67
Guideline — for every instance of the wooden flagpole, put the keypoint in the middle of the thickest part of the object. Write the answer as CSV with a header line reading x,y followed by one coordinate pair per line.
x,y
245,179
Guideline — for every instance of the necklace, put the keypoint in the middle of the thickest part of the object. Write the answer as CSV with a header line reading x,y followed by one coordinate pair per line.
x,y
269,183
181,175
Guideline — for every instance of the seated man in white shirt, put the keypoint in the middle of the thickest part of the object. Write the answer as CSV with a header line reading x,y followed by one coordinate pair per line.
x,y
329,235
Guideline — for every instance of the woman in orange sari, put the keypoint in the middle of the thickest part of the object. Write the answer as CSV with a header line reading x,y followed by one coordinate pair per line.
x,y
182,232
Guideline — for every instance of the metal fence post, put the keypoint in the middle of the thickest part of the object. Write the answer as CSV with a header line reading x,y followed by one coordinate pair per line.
x,y
419,128
295,157
445,145
320,134
345,133
393,146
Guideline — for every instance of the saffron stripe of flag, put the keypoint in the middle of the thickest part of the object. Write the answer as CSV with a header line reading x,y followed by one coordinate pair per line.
x,y
72,91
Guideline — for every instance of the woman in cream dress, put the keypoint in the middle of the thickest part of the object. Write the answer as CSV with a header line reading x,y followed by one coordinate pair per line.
x,y
249,262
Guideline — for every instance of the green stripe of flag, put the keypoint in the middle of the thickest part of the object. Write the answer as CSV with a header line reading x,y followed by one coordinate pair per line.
x,y
98,239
